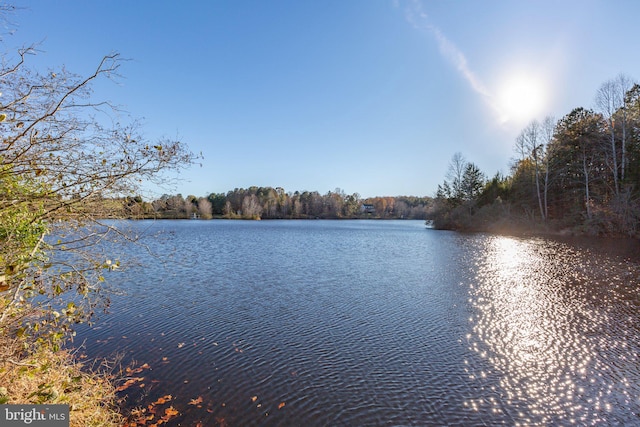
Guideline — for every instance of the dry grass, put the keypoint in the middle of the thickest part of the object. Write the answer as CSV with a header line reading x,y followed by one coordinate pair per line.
x,y
50,377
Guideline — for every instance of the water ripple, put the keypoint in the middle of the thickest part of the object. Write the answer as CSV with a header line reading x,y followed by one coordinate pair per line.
x,y
376,323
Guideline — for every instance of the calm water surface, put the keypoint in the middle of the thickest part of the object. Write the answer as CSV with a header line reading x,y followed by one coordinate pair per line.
x,y
318,323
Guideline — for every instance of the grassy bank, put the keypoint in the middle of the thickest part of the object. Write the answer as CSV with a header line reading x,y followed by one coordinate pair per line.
x,y
46,377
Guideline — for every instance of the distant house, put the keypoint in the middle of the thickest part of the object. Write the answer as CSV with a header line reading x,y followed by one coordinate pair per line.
x,y
367,208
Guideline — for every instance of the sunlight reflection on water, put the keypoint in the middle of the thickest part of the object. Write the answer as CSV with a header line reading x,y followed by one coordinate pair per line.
x,y
541,320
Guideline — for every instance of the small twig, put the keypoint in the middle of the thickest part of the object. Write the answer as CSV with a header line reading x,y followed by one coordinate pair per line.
x,y
23,364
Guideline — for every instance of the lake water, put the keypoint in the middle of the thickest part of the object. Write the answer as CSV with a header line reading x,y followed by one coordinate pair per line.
x,y
345,323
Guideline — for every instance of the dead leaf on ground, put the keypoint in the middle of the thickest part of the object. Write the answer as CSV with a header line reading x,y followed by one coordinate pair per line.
x,y
281,405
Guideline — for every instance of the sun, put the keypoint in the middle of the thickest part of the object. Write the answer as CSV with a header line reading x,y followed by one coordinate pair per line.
x,y
521,98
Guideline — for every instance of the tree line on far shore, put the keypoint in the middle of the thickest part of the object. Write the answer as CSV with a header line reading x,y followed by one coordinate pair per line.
x,y
579,174
276,203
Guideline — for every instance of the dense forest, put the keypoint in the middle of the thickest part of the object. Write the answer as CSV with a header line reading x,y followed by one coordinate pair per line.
x,y
276,203
579,174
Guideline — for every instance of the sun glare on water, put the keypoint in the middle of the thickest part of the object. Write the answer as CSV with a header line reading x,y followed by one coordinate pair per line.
x,y
521,98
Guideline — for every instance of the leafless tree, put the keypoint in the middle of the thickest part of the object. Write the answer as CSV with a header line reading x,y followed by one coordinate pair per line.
x,y
608,101
455,173
548,130
528,142
204,208
611,103
624,84
251,207
62,154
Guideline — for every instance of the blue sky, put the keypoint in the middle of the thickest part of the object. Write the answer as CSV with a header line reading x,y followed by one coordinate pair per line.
x,y
371,96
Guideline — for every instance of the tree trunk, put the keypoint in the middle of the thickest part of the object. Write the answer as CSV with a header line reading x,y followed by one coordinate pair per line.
x,y
586,183
546,189
615,157
623,161
535,158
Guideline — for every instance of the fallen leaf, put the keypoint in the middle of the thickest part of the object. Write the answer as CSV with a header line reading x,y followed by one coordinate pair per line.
x,y
196,401
254,398
170,411
129,383
281,405
138,369
180,345
162,400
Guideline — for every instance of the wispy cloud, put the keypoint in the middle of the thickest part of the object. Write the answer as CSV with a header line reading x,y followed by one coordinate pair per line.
x,y
457,58
418,18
